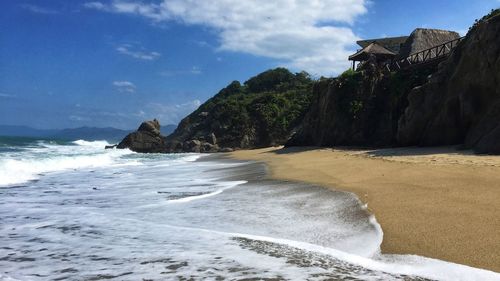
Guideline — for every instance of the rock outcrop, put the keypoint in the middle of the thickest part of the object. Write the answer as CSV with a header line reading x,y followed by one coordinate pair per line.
x,y
358,108
147,138
461,102
423,38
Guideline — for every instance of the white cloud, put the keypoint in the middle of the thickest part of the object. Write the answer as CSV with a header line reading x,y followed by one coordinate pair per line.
x,y
152,11
194,70
79,118
169,113
125,86
205,43
313,35
165,112
4,95
38,10
139,113
130,50
95,5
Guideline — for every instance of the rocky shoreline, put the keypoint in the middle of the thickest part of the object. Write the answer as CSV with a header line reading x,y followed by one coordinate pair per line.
x,y
148,139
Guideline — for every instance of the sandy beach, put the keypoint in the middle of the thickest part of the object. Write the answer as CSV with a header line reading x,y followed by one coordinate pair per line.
x,y
434,202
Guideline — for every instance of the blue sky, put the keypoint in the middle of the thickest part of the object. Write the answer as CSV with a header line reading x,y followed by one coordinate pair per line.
x,y
115,63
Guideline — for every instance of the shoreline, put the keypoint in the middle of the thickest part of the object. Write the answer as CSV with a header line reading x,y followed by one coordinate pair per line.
x,y
432,202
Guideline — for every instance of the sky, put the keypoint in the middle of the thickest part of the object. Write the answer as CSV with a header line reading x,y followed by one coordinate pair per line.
x,y
67,64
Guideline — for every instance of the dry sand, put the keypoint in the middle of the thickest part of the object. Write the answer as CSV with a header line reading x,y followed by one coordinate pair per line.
x,y
433,202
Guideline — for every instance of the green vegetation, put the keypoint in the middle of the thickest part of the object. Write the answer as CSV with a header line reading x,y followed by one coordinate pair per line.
x,y
355,107
263,111
348,73
350,101
492,14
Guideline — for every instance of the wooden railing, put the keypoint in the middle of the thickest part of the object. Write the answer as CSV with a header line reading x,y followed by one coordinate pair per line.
x,y
431,54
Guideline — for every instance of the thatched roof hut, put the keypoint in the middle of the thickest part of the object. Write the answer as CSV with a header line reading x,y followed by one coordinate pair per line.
x,y
375,49
391,43
403,46
421,39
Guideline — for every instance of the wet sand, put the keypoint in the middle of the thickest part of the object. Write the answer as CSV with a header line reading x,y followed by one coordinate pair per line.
x,y
434,202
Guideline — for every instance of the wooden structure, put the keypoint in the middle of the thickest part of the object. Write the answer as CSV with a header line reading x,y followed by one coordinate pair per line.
x,y
432,54
379,52
392,44
381,48
422,46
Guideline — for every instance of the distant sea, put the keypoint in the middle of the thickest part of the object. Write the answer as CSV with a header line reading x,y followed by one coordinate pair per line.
x,y
74,211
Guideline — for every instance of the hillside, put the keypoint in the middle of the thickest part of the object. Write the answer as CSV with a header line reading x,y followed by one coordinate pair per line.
x,y
24,131
168,129
85,133
91,133
261,112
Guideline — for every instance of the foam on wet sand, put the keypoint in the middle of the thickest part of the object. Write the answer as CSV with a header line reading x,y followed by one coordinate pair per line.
x,y
433,202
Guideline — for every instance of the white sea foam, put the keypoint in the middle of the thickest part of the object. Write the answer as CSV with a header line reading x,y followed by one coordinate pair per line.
x,y
395,264
7,278
95,144
48,157
404,264
224,186
191,157
131,224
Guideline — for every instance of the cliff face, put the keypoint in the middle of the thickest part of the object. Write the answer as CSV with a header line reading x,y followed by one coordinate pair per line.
x,y
358,108
461,102
455,102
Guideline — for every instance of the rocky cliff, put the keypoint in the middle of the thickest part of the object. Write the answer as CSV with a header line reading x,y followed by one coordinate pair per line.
x,y
460,104
358,108
455,102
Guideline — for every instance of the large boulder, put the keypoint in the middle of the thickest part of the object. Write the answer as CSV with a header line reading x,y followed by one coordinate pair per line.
x,y
192,146
461,103
147,139
208,147
423,38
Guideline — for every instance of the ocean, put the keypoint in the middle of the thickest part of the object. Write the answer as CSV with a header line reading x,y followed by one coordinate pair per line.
x,y
74,211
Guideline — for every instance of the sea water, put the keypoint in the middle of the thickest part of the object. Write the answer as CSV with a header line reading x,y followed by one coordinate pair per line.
x,y
74,211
